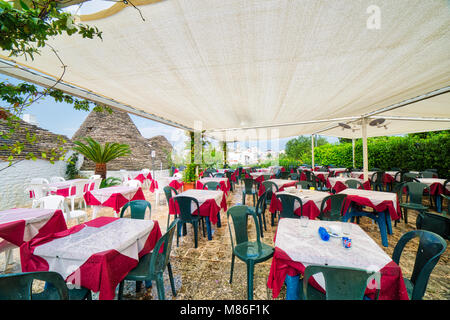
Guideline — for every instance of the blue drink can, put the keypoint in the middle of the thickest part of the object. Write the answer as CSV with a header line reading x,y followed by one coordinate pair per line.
x,y
346,242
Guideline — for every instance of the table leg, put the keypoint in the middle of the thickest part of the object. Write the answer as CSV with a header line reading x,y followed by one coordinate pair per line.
x,y
438,201
388,221
208,228
95,211
219,224
292,287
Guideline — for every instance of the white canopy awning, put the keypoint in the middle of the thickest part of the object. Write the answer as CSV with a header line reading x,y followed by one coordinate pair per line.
x,y
296,67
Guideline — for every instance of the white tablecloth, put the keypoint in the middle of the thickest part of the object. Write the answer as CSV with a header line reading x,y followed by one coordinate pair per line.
x,y
202,196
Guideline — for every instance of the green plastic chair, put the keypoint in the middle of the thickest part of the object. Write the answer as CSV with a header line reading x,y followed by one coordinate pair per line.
x,y
304,184
250,252
336,212
294,176
260,210
288,202
318,184
168,192
185,205
211,185
269,187
353,184
228,174
341,283
377,180
431,247
437,223
152,265
284,174
427,174
410,177
18,286
249,189
414,197
309,175
137,208
219,175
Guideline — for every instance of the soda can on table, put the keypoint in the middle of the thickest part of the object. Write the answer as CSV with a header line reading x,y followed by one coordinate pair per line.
x,y
346,242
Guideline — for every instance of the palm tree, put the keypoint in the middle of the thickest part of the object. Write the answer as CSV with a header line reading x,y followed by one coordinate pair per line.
x,y
101,155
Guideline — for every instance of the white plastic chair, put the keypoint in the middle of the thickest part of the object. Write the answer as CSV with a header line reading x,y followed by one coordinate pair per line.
x,y
78,196
56,179
162,182
39,181
38,190
95,176
50,202
133,183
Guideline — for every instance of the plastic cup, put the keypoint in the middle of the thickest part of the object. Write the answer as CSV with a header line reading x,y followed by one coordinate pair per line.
x,y
304,221
346,228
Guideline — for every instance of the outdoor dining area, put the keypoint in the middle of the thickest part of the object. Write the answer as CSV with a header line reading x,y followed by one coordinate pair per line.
x,y
294,236
327,123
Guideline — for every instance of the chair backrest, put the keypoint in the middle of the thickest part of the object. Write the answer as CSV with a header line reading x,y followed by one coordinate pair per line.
x,y
288,202
341,283
211,185
285,174
249,184
56,179
415,191
207,174
239,215
305,184
51,202
79,189
409,176
294,176
337,204
18,286
39,190
431,247
137,208
309,175
39,181
219,175
185,205
377,177
439,224
162,182
161,252
353,183
427,174
168,192
133,183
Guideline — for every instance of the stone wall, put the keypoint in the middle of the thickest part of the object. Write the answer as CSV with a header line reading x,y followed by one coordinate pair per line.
x,y
118,127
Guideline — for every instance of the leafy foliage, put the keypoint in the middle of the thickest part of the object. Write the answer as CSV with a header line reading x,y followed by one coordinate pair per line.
x,y
110,182
71,170
189,174
25,28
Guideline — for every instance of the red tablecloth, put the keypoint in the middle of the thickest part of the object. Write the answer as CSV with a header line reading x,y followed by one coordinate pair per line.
x,y
309,208
224,185
142,177
262,189
320,176
23,224
115,200
100,272
207,209
174,184
364,201
392,284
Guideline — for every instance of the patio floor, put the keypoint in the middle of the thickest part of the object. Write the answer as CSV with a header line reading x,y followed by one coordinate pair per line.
x,y
203,273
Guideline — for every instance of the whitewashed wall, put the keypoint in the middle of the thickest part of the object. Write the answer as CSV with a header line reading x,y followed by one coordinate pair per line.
x,y
14,179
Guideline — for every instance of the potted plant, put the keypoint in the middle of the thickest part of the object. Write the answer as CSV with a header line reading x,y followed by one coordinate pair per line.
x,y
101,154
190,176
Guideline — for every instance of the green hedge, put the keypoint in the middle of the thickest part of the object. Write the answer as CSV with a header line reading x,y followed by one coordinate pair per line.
x,y
413,153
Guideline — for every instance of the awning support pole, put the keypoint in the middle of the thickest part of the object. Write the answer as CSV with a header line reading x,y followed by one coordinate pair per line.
x,y
312,152
353,151
365,156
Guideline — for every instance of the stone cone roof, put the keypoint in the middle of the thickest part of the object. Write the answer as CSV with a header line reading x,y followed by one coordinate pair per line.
x,y
118,127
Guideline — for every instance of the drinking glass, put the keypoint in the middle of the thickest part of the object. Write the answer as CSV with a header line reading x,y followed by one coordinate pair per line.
x,y
346,228
304,221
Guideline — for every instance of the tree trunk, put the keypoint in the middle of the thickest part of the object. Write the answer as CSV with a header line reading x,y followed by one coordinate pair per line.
x,y
100,168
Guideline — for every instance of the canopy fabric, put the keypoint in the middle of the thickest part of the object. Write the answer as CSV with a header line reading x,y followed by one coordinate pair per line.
x,y
264,63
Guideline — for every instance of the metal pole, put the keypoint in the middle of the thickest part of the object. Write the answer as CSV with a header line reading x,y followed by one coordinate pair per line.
x,y
312,152
353,151
365,155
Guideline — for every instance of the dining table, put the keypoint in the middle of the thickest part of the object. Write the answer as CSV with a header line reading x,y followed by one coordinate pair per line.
x,y
96,255
114,197
298,246
385,205
20,225
224,183
139,175
211,202
311,202
175,182
436,188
